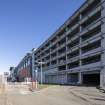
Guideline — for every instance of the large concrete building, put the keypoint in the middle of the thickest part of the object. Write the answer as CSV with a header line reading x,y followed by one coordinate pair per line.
x,y
75,53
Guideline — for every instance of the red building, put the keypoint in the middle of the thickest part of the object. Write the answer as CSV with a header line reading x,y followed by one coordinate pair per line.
x,y
24,68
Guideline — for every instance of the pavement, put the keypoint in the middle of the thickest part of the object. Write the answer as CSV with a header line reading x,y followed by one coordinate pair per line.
x,y
53,95
89,94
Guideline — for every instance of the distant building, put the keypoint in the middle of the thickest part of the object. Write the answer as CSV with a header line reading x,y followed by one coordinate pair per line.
x,y
24,69
6,76
12,76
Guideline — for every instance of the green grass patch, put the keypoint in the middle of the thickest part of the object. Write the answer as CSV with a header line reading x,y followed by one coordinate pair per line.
x,y
42,86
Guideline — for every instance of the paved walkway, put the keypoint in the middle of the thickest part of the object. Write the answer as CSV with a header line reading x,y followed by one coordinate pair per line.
x,y
53,95
59,95
89,94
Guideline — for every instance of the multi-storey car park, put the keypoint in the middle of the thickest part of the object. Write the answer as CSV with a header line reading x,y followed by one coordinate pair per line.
x,y
75,53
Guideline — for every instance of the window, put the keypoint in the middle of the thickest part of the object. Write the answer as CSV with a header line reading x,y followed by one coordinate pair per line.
x,y
91,46
91,19
91,33
61,51
61,68
92,59
73,33
91,7
73,54
73,65
73,44
73,22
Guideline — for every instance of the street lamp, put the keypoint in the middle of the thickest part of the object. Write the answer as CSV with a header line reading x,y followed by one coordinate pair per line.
x,y
34,81
41,68
36,77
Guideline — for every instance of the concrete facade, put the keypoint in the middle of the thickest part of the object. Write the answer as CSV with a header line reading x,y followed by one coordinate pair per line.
x,y
75,53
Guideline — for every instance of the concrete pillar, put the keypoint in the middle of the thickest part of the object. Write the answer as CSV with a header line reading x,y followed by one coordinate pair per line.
x,y
66,54
80,78
102,78
80,52
102,73
50,53
57,51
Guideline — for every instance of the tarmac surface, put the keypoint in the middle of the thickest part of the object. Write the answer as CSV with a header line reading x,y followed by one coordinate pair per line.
x,y
52,95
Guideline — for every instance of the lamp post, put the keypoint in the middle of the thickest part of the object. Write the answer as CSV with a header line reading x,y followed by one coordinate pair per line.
x,y
34,80
36,76
41,74
41,70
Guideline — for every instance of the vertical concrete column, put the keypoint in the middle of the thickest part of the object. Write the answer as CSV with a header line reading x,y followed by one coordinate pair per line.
x,y
66,47
57,50
102,73
80,54
50,53
66,30
80,78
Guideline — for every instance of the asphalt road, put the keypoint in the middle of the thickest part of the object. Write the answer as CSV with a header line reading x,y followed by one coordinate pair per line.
x,y
55,95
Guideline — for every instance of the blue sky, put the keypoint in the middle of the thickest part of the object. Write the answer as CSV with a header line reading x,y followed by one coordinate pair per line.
x,y
25,24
